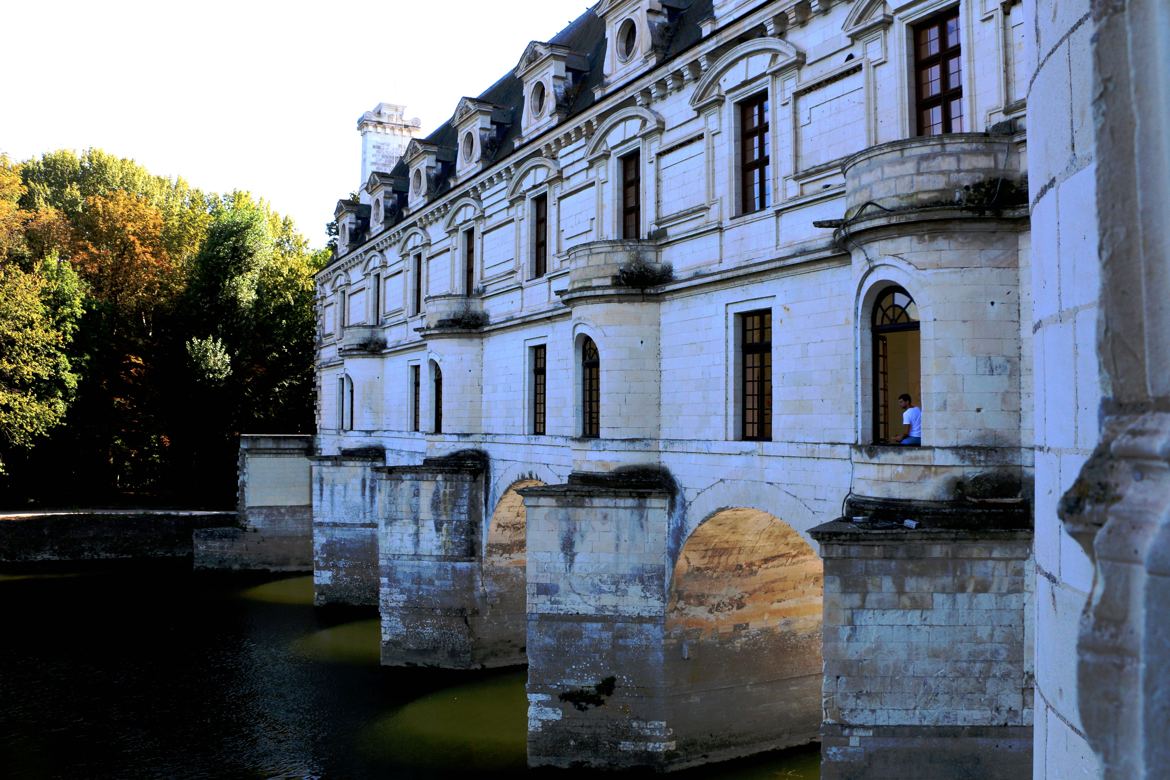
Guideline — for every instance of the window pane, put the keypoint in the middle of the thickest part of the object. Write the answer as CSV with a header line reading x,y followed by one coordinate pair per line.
x,y
953,31
956,116
954,73
932,121
928,42
931,81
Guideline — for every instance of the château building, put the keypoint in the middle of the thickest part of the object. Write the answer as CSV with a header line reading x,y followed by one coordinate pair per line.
x,y
609,368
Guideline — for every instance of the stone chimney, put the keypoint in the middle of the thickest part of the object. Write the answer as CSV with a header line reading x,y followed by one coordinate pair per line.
x,y
385,134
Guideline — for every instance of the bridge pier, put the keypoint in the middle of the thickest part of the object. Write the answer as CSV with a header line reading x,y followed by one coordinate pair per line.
x,y
927,641
635,661
345,542
442,599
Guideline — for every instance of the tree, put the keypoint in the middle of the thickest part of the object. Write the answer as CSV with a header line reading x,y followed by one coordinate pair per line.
x,y
36,379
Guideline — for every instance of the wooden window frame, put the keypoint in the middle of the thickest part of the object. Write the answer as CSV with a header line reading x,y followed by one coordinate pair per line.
x,y
539,357
755,352
590,389
437,398
415,396
417,272
630,168
539,235
755,172
949,93
468,261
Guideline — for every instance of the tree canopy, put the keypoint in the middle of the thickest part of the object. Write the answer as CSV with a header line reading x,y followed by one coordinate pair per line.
x,y
144,324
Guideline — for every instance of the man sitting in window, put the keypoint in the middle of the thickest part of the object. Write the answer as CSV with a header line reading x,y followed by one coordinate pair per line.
x,y
912,420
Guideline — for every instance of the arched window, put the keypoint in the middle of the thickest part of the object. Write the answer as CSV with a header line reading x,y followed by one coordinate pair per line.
x,y
438,398
590,389
897,361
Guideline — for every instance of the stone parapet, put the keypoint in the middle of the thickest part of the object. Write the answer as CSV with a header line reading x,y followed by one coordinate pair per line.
x,y
938,473
598,264
972,170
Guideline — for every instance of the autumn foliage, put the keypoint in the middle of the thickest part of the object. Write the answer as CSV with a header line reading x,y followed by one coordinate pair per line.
x,y
144,324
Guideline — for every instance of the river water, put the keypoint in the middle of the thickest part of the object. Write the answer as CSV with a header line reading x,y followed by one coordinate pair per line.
x,y
160,672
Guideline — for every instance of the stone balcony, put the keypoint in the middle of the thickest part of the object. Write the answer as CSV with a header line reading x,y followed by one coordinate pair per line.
x,y
454,313
970,171
605,265
362,338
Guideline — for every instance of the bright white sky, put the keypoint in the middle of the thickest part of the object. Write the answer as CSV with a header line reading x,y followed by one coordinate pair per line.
x,y
256,95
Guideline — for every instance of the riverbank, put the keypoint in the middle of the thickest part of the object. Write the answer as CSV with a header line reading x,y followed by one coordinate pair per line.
x,y
103,534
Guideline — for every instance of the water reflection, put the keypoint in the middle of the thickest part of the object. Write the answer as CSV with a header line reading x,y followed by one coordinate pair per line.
x,y
291,590
479,724
349,643
161,672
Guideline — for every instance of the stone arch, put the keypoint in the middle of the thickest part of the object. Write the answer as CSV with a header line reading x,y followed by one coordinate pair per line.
x,y
524,178
649,122
502,618
780,52
743,634
507,528
726,494
510,473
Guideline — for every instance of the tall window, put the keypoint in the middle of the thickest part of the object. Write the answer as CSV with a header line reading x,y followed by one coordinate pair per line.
x,y
418,283
938,71
341,403
897,359
755,154
756,354
342,309
438,398
538,389
376,298
415,388
632,195
468,261
590,390
539,236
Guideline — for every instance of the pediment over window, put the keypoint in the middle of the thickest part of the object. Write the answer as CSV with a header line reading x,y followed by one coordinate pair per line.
x,y
867,16
742,64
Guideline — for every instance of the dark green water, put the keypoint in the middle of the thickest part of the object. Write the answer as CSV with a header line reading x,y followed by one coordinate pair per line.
x,y
159,672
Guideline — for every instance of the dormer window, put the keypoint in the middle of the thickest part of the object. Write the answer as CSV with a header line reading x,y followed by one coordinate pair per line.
x,y
416,184
548,72
632,28
479,125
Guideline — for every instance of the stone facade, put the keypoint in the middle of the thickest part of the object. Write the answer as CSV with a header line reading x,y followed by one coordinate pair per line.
x,y
571,277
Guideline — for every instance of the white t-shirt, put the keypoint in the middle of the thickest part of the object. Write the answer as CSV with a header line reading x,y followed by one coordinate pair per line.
x,y
913,418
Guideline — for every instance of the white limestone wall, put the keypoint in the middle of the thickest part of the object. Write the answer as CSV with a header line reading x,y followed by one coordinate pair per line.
x,y
837,84
1065,289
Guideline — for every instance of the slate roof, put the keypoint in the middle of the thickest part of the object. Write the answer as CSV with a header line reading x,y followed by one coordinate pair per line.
x,y
585,35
